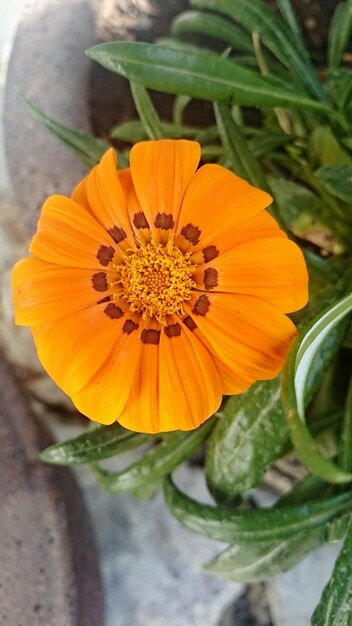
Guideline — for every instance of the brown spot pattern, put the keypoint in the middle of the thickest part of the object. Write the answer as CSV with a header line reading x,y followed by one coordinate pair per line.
x,y
106,299
129,326
151,336
210,253
191,233
173,330
190,323
211,278
140,220
99,281
113,311
118,234
105,255
164,221
202,306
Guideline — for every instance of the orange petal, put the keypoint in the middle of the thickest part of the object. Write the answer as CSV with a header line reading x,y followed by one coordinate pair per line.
x,y
271,269
68,235
232,381
79,195
104,397
260,226
251,337
107,199
216,204
141,412
190,387
138,220
73,349
44,292
161,171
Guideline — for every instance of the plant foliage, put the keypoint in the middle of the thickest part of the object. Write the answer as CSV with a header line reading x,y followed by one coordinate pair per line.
x,y
300,149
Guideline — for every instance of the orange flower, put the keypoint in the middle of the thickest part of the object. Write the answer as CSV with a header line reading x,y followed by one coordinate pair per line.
x,y
156,289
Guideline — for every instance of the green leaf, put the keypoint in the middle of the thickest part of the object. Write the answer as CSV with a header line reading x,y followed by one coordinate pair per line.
x,y
334,608
339,85
146,111
243,162
86,148
305,214
248,437
211,26
179,105
197,75
101,443
134,131
250,562
131,132
310,488
262,146
187,48
288,14
345,448
207,135
301,365
340,32
324,148
347,141
257,17
295,201
337,179
337,529
156,462
257,525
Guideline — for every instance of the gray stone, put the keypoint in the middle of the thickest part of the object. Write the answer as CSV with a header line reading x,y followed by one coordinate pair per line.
x,y
51,70
294,595
49,572
151,565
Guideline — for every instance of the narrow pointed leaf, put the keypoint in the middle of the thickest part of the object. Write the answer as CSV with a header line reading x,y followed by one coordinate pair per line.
x,y
287,12
146,111
248,437
235,144
325,149
334,608
300,364
250,562
339,85
134,131
253,525
186,47
211,26
156,462
197,75
263,145
85,147
345,448
256,16
340,32
101,443
337,179
252,431
310,488
307,215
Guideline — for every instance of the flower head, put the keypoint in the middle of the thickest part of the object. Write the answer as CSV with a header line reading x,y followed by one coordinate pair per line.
x,y
154,290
